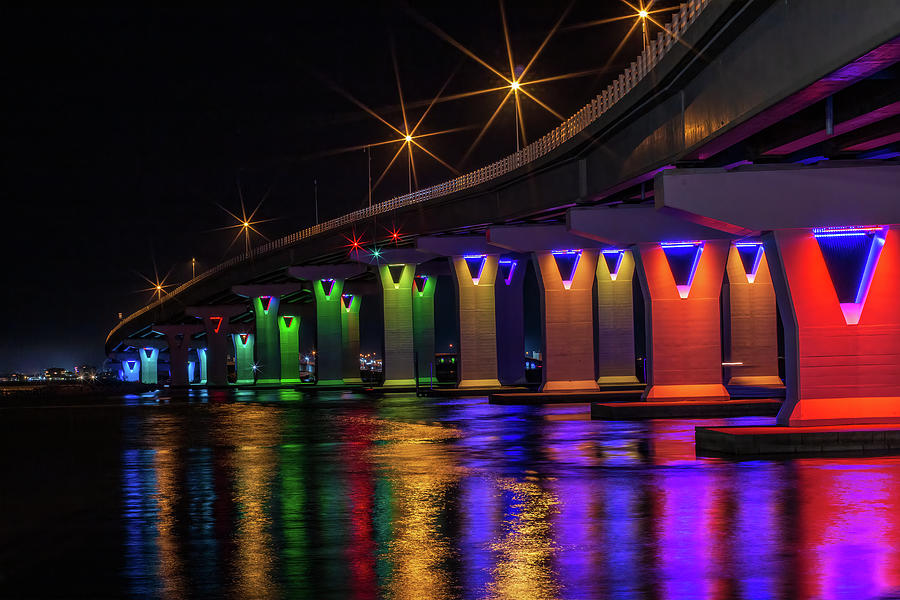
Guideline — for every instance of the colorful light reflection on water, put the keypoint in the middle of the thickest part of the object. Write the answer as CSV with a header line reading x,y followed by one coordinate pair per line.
x,y
276,494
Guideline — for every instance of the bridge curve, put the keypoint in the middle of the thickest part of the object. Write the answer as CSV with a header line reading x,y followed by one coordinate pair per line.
x,y
714,79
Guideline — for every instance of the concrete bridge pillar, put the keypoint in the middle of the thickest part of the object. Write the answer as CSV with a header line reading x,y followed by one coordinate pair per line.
x,y
178,338
265,300
244,366
218,338
510,318
473,266
289,345
350,304
837,293
424,285
751,324
681,266
615,303
396,272
681,282
565,265
201,359
131,366
148,353
328,286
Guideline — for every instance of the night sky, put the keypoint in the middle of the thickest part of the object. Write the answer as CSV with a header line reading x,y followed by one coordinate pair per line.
x,y
125,128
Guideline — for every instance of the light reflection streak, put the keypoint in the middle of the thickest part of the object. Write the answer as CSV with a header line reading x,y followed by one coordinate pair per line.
x,y
168,463
254,432
525,549
422,475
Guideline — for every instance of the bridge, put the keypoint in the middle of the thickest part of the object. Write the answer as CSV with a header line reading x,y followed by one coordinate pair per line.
x,y
732,195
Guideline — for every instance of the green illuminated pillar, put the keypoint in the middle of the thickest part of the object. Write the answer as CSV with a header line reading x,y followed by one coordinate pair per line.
x,y
328,330
201,355
149,359
268,356
289,344
423,322
350,337
397,285
266,301
243,358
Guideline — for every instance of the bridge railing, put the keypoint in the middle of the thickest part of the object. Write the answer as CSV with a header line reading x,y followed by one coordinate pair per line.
x,y
568,129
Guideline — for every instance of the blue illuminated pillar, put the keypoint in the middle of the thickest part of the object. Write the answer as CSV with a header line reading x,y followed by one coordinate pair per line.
x,y
131,369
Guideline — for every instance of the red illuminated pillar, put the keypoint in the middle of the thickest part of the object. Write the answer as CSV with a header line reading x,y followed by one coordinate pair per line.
x,y
566,280
681,283
841,323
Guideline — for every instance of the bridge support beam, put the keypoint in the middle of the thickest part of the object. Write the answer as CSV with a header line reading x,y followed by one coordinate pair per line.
x,y
473,266
328,286
350,304
178,337
683,318
266,300
510,319
131,366
681,266
751,336
148,353
842,364
615,303
396,272
244,367
218,339
399,345
567,319
423,322
836,287
201,359
289,346
565,265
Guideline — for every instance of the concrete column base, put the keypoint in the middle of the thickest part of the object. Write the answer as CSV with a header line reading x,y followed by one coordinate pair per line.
x,y
478,383
399,383
569,386
615,379
706,391
757,380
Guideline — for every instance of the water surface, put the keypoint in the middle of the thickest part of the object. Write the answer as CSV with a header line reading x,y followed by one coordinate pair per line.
x,y
278,494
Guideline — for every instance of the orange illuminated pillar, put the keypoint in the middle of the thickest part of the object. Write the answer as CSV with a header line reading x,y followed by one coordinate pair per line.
x,y
751,337
681,282
566,280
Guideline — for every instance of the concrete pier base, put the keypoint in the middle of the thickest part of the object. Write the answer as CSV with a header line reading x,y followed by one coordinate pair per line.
x,y
763,440
685,409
